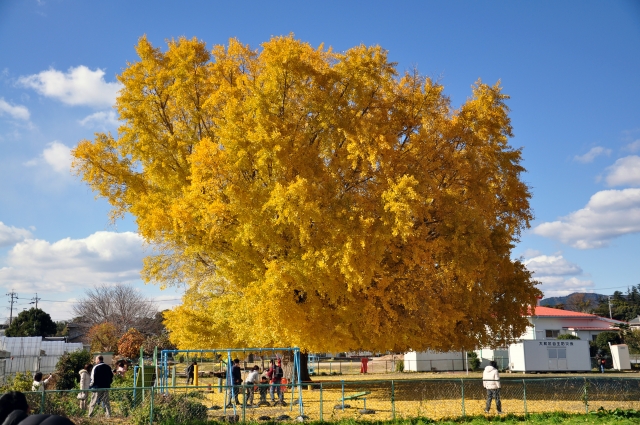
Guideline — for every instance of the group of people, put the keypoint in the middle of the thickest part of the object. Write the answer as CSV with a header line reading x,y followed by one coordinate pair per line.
x,y
269,382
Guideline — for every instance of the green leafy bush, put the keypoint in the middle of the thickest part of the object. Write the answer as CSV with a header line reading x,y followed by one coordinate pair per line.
x,y
20,382
68,368
474,361
568,336
171,408
400,366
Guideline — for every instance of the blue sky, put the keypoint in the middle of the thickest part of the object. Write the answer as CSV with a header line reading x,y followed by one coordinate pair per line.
x,y
572,69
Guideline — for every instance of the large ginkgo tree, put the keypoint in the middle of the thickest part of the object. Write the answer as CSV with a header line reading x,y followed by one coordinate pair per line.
x,y
318,199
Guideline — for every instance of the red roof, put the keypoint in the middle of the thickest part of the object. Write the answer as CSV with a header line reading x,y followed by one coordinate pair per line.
x,y
555,312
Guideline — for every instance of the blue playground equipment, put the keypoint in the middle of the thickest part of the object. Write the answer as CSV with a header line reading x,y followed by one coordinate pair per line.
x,y
164,381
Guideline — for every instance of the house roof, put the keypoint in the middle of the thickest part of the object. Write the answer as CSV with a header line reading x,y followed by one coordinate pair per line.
x,y
586,328
556,312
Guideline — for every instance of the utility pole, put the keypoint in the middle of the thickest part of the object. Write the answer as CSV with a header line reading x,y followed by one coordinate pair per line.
x,y
13,296
610,315
35,300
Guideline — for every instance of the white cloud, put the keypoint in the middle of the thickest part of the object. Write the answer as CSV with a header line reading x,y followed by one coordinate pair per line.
x,y
35,265
592,154
633,146
557,265
624,172
79,86
18,112
608,215
9,235
57,155
100,120
557,275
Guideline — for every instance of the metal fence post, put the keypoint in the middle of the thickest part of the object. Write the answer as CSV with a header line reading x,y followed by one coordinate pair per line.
x,y
151,406
320,401
42,402
524,395
393,399
462,391
244,403
585,395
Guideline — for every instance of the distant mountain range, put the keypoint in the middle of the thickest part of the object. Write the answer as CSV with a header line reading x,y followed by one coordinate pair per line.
x,y
573,302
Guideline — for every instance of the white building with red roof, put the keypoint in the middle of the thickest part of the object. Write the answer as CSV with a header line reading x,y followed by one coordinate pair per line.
x,y
549,323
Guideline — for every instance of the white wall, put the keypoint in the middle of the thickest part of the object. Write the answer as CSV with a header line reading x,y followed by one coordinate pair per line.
x,y
425,361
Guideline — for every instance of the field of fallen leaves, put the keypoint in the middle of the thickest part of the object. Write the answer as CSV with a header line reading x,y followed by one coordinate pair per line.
x,y
436,396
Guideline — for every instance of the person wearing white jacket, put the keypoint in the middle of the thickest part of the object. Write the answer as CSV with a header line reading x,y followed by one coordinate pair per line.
x,y
491,381
85,379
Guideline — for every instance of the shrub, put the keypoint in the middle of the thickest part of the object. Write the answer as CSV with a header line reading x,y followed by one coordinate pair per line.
x,y
171,408
68,368
568,336
474,361
20,382
400,366
604,338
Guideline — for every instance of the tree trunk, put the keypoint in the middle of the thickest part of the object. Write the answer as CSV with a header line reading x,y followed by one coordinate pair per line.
x,y
304,368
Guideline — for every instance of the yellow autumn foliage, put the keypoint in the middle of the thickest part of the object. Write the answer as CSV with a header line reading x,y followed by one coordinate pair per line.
x,y
317,199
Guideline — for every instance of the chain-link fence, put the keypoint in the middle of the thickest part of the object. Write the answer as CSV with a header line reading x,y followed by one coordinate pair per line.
x,y
335,400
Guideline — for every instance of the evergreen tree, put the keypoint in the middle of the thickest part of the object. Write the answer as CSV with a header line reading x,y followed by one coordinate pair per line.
x,y
33,322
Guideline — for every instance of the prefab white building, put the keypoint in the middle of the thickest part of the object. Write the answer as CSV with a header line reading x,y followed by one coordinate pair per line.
x,y
550,356
432,361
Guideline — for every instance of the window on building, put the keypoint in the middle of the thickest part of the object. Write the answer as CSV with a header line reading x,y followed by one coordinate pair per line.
x,y
552,333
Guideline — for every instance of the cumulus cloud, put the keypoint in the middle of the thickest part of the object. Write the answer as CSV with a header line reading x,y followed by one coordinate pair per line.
x,y
557,275
57,155
592,154
624,172
35,265
78,86
100,120
18,112
608,215
9,235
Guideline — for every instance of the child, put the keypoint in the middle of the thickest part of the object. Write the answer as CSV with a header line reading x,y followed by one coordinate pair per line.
x,y
251,381
38,383
264,389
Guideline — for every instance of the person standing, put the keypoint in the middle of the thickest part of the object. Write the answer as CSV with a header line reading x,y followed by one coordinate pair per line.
x,y
491,381
101,378
85,380
276,381
190,371
236,380
252,381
